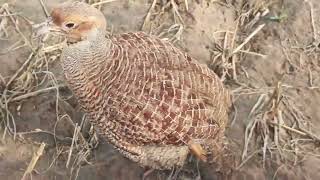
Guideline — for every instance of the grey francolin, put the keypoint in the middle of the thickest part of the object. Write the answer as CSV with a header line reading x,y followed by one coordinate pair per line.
x,y
150,100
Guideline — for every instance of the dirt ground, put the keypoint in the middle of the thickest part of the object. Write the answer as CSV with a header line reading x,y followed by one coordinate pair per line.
x,y
266,52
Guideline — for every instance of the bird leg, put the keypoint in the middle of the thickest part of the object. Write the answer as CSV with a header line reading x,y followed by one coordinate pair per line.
x,y
147,173
198,151
93,139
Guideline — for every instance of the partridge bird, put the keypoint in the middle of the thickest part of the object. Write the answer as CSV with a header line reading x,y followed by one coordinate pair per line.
x,y
150,100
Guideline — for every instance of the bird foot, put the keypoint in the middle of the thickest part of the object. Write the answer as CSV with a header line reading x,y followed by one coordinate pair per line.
x,y
147,173
198,151
93,140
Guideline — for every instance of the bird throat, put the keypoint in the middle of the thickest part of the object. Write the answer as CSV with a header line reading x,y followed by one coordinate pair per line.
x,y
92,35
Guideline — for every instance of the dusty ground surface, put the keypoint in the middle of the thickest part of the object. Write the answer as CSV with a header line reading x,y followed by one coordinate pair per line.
x,y
267,53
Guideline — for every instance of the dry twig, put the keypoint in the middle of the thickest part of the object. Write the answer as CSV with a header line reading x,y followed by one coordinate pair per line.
x,y
248,39
147,18
45,10
34,161
102,2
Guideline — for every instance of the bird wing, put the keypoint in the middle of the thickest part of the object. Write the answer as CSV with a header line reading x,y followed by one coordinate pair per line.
x,y
164,96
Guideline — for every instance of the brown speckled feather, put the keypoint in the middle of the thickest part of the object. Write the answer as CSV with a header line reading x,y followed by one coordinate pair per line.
x,y
142,92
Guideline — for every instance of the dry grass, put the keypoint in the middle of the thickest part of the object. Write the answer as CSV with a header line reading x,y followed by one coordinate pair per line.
x,y
165,19
276,128
33,161
228,53
32,79
280,127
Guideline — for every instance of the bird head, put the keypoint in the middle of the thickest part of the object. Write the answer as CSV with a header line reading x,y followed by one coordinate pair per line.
x,y
75,20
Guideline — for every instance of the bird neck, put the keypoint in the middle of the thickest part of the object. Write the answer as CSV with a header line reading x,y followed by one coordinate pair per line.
x,y
94,41
94,34
81,55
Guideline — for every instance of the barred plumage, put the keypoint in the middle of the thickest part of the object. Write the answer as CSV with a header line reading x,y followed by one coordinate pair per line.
x,y
152,101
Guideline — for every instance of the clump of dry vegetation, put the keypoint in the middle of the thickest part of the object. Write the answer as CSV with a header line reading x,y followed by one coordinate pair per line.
x,y
32,79
276,129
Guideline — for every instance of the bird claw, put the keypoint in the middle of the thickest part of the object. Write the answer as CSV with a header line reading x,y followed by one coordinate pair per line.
x,y
198,151
93,140
147,173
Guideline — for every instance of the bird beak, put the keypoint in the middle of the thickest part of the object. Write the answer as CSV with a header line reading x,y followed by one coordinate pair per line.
x,y
45,28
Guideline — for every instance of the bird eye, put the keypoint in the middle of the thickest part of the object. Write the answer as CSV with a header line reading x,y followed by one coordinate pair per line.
x,y
70,25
